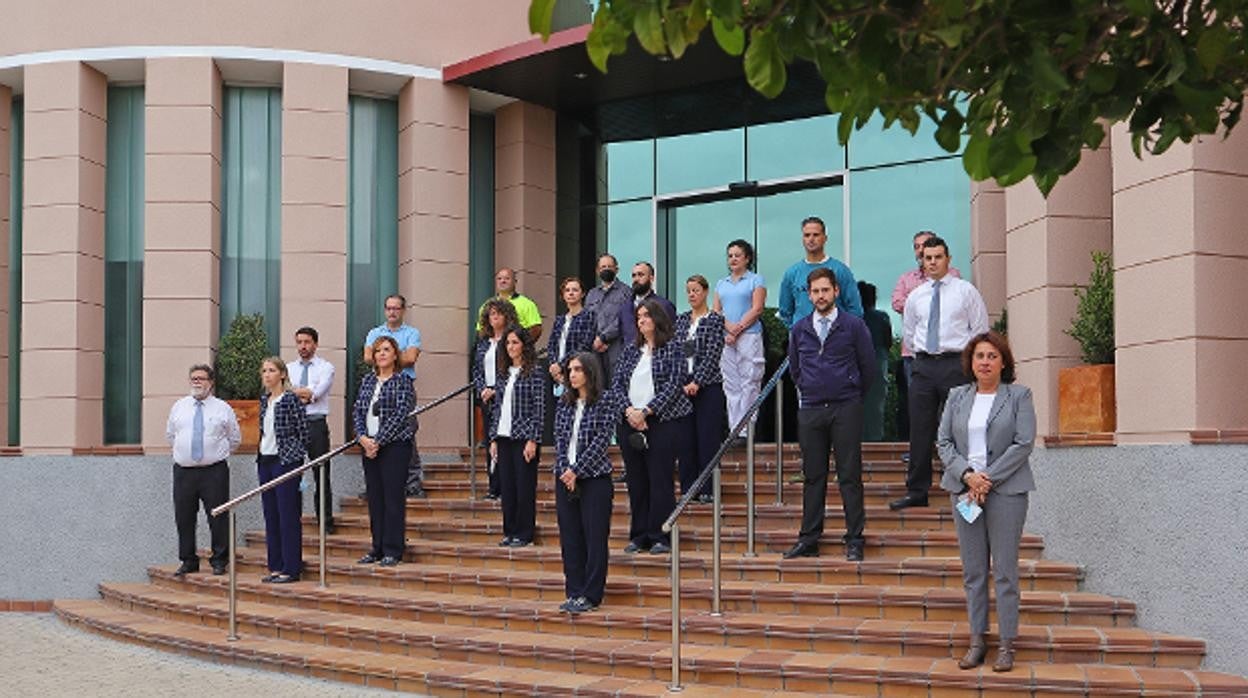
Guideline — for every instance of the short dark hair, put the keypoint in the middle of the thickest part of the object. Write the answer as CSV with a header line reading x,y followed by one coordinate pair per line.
x,y
646,265
936,241
1001,344
662,322
399,296
311,332
746,248
614,261
212,375
868,293
815,219
921,233
821,273
569,279
504,308
591,366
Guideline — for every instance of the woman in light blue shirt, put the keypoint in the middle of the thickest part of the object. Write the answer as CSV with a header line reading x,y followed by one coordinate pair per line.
x,y
740,297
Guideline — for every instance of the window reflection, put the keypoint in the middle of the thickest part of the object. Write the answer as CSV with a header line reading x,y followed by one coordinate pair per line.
x,y
700,161
630,170
792,148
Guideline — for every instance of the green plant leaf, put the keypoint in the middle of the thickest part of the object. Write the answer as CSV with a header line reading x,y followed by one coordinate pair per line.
x,y
1212,46
1045,71
674,32
764,66
648,26
697,20
950,35
949,132
975,157
541,15
730,39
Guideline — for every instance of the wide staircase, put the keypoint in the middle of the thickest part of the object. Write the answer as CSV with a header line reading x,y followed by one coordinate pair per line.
x,y
464,617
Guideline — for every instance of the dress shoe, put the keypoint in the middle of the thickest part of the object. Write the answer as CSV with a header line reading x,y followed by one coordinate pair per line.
x,y
660,549
389,561
580,605
505,542
706,499
284,579
853,551
801,549
632,548
369,559
186,568
219,569
910,500
490,497
975,654
517,543
1005,656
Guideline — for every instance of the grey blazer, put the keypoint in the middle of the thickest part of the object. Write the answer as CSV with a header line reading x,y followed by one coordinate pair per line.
x,y
1011,435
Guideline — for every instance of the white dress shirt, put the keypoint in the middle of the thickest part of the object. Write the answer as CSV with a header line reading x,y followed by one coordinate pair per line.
x,y
320,380
962,315
489,363
693,333
641,384
576,431
221,432
372,420
504,418
977,431
268,438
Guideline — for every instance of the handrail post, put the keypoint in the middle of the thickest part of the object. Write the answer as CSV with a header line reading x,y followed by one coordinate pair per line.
x,y
675,684
320,495
749,490
472,447
780,441
716,545
233,629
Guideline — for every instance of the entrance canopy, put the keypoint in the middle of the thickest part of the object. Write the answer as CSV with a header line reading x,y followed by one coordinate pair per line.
x,y
641,96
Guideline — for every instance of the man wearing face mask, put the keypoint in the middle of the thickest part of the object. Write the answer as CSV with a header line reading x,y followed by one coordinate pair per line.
x,y
202,430
643,288
606,300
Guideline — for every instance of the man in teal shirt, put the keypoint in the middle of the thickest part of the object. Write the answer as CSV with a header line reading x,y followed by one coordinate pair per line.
x,y
794,300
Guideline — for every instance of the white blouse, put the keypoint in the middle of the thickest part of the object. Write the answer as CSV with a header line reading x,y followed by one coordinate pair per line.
x,y
977,431
268,442
504,418
576,431
641,384
490,363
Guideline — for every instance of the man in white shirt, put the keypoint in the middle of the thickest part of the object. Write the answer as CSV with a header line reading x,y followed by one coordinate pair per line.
x,y
202,430
940,318
312,378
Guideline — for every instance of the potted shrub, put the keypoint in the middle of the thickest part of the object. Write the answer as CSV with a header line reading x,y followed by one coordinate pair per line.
x,y
1086,393
239,354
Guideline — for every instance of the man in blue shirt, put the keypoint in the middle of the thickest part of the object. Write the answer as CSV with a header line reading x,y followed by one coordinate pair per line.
x,y
794,301
408,339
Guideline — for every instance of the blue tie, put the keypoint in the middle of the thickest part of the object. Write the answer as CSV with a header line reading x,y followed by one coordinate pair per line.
x,y
933,321
197,433
825,324
303,375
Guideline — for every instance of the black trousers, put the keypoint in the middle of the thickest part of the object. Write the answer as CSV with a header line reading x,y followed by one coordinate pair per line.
x,y
209,484
517,480
318,445
835,427
384,480
648,473
704,432
584,527
931,377
487,407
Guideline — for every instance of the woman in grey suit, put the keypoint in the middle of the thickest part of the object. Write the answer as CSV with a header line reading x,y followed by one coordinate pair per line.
x,y
985,437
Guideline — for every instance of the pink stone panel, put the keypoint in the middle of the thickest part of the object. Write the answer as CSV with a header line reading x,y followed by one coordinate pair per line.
x,y
1221,287
315,181
1221,383
989,272
1218,154
315,276
431,102
1087,190
80,324
524,163
447,426
438,373
1041,376
433,238
179,322
183,82
68,85
321,134
436,284
1038,321
50,373
437,193
181,178
1155,302
1130,171
433,147
174,274
314,228
64,227
66,133
987,219
526,206
63,181
523,122
526,250
308,87
1023,204
441,328
1154,220
1152,402
65,276
165,371
182,226
181,129
1218,205
329,319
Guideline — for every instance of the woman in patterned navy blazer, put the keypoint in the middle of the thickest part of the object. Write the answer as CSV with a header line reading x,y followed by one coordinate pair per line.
x,y
584,421
648,383
496,316
573,332
515,434
700,332
283,447
382,425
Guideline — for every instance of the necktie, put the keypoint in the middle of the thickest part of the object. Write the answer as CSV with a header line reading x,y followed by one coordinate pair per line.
x,y
933,321
197,433
824,325
303,375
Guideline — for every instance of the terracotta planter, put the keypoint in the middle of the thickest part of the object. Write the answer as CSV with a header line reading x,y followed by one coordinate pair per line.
x,y
1086,400
248,414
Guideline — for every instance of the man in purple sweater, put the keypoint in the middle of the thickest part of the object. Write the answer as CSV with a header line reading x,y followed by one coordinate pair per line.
x,y
832,362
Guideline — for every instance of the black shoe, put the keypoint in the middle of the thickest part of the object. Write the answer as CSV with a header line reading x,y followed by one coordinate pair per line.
x,y
739,442
802,550
580,605
505,542
517,543
910,500
660,548
417,492
389,561
369,559
218,568
186,568
632,548
491,497
566,604
706,499
853,551
284,579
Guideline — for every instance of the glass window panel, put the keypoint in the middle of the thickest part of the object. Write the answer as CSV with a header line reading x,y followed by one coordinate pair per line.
x,y
875,146
700,161
629,234
630,170
793,148
937,198
698,236
780,231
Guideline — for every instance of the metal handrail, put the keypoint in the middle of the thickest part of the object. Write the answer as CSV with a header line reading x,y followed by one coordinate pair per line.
x,y
712,470
230,506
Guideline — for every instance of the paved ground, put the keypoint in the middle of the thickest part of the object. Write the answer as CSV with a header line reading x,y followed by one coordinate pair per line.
x,y
40,656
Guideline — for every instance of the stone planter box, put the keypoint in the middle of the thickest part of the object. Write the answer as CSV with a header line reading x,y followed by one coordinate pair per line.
x,y
1086,400
248,414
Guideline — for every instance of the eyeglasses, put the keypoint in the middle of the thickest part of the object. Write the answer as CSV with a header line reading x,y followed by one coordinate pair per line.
x,y
395,308
200,379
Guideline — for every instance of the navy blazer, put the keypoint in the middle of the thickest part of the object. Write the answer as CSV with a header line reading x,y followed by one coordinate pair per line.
x,y
1011,436
395,403
478,367
528,406
841,367
580,336
597,427
708,346
290,422
667,366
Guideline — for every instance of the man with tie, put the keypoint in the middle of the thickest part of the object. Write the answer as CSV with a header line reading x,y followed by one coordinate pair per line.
x,y
202,430
313,377
940,317
832,362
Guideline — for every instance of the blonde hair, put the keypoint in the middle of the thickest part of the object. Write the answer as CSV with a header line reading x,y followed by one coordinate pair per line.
x,y
281,369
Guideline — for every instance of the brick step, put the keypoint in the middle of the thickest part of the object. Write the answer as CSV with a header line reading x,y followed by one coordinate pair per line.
x,y
768,516
915,595
840,635
879,543
733,667
871,451
376,669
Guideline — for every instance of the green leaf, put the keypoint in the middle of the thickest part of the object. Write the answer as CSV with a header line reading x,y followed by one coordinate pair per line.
x,y
1046,72
541,15
951,35
1140,8
835,99
730,39
1211,47
674,31
727,11
1093,134
697,20
648,26
1100,78
949,133
975,157
764,66
844,126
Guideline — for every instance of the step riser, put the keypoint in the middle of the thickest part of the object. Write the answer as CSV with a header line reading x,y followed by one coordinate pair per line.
x,y
874,496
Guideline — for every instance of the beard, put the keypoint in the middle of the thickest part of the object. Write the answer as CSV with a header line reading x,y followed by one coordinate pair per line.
x,y
640,289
